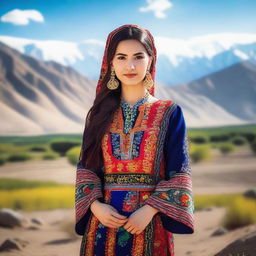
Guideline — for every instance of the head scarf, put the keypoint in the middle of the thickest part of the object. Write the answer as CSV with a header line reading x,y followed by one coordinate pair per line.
x,y
104,65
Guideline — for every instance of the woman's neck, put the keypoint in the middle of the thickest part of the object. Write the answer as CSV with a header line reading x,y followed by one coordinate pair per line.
x,y
131,94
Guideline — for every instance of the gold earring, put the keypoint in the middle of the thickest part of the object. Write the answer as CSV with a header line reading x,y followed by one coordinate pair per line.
x,y
148,82
112,83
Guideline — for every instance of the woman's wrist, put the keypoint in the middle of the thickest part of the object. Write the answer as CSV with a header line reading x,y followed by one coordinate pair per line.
x,y
151,209
94,203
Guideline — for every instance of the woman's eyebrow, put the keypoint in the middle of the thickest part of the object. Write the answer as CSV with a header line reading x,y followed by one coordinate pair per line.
x,y
138,53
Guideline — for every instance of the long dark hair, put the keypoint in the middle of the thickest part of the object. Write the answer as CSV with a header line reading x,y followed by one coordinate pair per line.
x,y
107,102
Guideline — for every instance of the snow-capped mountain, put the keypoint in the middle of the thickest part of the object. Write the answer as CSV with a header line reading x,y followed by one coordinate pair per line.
x,y
179,61
39,97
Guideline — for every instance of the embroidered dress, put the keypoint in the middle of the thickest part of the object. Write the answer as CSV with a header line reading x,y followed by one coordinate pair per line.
x,y
146,161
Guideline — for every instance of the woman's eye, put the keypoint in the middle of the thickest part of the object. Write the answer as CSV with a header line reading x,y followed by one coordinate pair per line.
x,y
137,57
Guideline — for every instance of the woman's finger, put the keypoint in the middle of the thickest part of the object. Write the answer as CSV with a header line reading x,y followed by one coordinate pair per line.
x,y
119,216
127,225
112,222
130,229
116,220
133,231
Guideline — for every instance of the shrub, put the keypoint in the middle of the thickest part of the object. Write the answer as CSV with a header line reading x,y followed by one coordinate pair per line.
x,y
220,138
200,153
62,147
249,136
73,155
253,146
18,157
239,140
226,148
38,149
232,134
219,200
50,156
199,139
241,212
2,160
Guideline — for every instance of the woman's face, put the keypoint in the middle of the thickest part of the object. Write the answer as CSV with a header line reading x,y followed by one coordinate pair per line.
x,y
131,57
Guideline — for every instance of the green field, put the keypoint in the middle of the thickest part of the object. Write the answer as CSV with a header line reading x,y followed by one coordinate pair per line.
x,y
23,148
34,195
45,139
222,130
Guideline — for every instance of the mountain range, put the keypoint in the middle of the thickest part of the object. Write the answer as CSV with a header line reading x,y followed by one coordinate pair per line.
x,y
46,97
179,61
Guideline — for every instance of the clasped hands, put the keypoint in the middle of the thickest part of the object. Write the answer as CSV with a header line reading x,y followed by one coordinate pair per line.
x,y
134,224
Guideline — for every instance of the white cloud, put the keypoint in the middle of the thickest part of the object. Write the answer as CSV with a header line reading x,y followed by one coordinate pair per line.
x,y
22,17
157,7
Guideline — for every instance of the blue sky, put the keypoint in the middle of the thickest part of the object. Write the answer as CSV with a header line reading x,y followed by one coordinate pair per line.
x,y
76,20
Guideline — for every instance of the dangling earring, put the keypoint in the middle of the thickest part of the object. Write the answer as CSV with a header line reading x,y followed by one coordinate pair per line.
x,y
112,83
148,82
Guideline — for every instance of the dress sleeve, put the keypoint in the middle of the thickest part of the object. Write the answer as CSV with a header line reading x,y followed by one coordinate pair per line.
x,y
88,188
173,195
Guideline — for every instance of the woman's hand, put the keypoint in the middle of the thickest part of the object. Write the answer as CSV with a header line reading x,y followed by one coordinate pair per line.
x,y
139,220
107,215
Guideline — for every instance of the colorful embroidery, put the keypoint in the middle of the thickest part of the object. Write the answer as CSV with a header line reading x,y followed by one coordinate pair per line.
x,y
134,175
129,156
174,198
138,245
98,234
130,202
123,237
137,148
144,196
110,242
88,188
91,236
149,236
129,178
130,113
179,197
115,141
137,138
160,246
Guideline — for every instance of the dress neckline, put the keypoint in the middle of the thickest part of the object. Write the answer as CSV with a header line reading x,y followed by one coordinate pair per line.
x,y
125,104
125,110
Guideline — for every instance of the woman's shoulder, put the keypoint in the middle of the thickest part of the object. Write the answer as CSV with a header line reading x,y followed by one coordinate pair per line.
x,y
170,103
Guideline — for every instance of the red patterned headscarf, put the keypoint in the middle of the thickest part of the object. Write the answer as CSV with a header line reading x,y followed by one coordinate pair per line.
x,y
104,65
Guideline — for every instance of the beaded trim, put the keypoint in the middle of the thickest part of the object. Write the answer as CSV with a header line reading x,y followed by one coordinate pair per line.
x,y
130,112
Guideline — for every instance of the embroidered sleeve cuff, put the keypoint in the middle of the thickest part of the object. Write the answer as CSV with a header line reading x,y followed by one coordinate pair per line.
x,y
88,189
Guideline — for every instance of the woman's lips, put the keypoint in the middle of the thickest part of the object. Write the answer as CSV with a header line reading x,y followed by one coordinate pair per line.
x,y
130,75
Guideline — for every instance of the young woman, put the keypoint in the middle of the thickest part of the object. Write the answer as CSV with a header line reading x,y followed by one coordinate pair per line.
x,y
133,185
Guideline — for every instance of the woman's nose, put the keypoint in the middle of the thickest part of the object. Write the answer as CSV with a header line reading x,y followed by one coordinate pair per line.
x,y
130,65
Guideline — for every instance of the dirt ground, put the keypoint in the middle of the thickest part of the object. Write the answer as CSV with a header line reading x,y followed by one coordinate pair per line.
x,y
223,174
198,244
